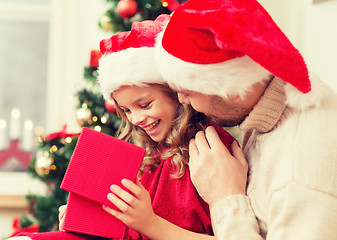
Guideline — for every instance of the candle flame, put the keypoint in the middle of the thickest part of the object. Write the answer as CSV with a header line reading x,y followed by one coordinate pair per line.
x,y
15,113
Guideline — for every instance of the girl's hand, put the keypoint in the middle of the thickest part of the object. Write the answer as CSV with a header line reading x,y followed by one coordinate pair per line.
x,y
135,210
62,214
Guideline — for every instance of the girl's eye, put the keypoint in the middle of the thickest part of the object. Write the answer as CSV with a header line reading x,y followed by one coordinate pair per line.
x,y
145,105
126,110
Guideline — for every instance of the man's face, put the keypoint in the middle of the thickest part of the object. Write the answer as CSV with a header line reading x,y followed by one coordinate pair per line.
x,y
200,102
225,112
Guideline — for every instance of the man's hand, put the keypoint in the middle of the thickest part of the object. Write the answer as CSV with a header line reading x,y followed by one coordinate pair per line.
x,y
216,173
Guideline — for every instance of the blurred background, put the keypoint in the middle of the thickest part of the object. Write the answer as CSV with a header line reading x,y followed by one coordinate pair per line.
x,y
47,83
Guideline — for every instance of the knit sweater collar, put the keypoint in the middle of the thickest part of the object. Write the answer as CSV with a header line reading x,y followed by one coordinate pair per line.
x,y
269,110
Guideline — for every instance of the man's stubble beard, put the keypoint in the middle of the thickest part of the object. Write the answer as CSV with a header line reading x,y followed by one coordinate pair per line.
x,y
227,123
233,116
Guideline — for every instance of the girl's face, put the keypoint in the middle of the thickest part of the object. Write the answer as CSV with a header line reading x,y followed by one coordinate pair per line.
x,y
149,108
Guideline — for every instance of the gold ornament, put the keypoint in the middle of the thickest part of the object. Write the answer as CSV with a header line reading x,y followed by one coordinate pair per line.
x,y
43,164
105,23
83,115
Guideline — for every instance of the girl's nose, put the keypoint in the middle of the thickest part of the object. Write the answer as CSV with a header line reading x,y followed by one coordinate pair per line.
x,y
137,118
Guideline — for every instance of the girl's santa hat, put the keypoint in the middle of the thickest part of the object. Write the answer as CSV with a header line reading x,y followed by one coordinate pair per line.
x,y
128,58
223,47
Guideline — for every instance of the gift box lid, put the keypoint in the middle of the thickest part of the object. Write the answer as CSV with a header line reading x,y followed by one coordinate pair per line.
x,y
98,161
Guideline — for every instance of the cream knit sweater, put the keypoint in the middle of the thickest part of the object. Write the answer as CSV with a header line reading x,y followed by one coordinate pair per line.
x,y
292,181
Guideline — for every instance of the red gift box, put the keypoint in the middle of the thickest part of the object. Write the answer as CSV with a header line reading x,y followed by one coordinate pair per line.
x,y
99,160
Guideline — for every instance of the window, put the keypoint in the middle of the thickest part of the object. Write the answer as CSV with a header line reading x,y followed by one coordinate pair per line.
x,y
24,27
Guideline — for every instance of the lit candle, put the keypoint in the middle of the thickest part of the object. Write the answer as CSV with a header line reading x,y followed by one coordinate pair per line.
x,y
3,135
14,132
28,136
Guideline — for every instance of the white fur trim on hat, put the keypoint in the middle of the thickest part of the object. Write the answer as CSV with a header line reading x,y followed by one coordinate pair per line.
x,y
232,77
132,66
298,100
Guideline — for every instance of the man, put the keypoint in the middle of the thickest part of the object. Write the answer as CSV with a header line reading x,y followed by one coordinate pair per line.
x,y
229,60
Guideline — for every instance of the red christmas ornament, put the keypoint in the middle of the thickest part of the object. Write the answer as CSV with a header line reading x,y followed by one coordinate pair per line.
x,y
127,8
94,57
110,107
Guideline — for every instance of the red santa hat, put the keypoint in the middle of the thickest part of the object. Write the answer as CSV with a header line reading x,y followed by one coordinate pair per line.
x,y
223,47
128,58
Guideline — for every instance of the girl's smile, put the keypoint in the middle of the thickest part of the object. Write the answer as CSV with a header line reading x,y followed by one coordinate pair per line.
x,y
150,129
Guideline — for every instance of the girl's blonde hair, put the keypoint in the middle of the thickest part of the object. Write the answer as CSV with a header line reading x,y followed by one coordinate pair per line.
x,y
187,123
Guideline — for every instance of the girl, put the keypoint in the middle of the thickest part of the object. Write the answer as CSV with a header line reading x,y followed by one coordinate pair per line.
x,y
164,203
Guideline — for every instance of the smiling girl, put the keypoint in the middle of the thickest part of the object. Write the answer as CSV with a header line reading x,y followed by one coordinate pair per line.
x,y
155,120
164,204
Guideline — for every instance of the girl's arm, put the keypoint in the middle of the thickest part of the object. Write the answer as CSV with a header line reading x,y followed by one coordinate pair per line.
x,y
137,213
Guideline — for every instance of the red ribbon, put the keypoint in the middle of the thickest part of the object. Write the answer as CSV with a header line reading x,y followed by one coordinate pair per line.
x,y
34,228
61,134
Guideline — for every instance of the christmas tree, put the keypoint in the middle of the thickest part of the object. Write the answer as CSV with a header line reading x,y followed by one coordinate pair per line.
x,y
55,150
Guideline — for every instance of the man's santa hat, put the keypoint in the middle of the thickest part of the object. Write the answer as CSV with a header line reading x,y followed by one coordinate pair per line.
x,y
128,58
223,47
